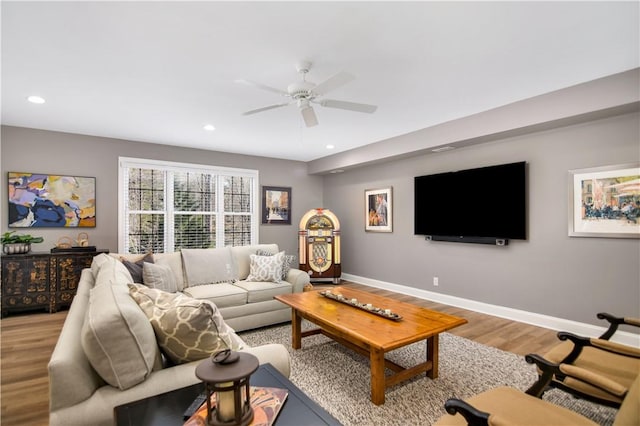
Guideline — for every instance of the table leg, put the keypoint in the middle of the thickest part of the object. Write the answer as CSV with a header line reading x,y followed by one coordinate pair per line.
x,y
432,355
376,361
296,330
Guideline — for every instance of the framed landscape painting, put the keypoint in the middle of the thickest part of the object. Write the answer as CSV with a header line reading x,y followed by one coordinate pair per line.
x,y
605,202
276,205
40,200
378,210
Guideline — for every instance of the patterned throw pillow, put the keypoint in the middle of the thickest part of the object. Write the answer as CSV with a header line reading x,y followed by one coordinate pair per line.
x,y
187,329
287,264
266,268
135,268
159,276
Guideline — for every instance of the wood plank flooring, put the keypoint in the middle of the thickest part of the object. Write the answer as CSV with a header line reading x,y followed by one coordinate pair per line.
x,y
27,342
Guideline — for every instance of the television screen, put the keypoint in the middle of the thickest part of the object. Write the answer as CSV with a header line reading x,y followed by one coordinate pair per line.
x,y
487,202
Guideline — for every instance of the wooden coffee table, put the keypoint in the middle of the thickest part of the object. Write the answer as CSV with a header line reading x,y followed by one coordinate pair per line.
x,y
370,334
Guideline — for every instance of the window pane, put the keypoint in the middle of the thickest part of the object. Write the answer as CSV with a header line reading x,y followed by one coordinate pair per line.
x,y
194,231
237,230
146,189
146,233
194,192
237,194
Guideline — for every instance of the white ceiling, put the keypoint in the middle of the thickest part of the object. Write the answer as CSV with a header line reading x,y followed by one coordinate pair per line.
x,y
159,71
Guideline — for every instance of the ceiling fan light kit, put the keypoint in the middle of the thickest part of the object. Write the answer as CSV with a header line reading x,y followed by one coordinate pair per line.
x,y
303,93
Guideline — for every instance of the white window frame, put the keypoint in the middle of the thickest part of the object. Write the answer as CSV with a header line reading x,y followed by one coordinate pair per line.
x,y
170,166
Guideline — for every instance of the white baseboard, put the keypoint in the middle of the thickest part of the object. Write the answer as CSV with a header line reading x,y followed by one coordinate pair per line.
x,y
553,323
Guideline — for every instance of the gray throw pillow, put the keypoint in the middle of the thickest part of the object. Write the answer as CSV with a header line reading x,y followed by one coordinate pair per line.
x,y
135,268
160,277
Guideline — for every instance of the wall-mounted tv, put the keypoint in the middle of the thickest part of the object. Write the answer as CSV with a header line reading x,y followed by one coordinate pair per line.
x,y
484,205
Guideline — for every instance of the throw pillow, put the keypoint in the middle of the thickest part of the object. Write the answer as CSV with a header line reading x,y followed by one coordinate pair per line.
x,y
135,268
159,276
209,266
288,263
266,268
187,329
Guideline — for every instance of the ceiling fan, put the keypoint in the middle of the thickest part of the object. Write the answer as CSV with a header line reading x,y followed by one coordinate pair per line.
x,y
304,93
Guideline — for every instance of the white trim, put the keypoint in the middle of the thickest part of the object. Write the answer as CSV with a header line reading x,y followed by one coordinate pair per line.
x,y
171,167
532,318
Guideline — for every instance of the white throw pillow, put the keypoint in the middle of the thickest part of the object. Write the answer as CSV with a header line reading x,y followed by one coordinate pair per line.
x,y
288,261
159,276
266,268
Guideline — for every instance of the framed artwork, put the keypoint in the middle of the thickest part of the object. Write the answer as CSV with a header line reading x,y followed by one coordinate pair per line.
x,y
378,210
39,200
276,205
605,201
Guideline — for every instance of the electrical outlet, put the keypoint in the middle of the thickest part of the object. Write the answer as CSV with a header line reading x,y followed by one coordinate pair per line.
x,y
435,281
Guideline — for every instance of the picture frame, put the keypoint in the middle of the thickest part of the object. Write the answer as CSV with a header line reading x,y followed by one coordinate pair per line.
x,y
378,210
276,205
38,200
605,201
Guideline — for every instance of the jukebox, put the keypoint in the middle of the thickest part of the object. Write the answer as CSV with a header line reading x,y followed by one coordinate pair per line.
x,y
319,245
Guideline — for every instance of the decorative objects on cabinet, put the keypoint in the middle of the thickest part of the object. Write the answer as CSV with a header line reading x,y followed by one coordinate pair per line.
x,y
45,281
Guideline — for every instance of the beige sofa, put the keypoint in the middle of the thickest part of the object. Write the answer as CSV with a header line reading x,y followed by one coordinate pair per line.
x,y
107,353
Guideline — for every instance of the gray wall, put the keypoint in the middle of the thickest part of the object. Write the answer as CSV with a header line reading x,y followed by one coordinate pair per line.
x,y
550,273
29,150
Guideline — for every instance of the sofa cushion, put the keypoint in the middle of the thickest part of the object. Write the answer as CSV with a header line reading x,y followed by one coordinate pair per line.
x,y
209,266
160,277
263,291
288,262
241,256
110,271
174,261
135,268
117,337
223,295
187,329
266,268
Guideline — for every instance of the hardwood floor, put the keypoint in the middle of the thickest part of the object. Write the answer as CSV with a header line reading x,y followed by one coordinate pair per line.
x,y
27,342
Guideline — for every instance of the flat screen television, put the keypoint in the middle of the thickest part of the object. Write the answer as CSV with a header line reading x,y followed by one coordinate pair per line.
x,y
484,205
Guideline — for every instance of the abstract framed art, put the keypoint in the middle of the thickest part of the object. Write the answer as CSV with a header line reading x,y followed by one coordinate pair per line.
x,y
41,200
378,210
276,205
605,201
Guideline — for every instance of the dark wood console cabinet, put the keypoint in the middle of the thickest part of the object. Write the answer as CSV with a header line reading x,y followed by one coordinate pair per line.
x,y
42,280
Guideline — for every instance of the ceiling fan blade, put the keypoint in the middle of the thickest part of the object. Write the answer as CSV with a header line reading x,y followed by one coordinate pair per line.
x,y
254,111
351,106
309,116
333,83
263,87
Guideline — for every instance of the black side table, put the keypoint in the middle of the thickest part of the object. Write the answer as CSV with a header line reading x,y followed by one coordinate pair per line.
x,y
168,408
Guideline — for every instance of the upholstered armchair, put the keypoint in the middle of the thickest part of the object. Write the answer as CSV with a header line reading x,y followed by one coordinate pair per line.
x,y
595,369
507,406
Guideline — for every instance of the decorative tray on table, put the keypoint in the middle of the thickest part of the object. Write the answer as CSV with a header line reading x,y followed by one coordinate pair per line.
x,y
386,313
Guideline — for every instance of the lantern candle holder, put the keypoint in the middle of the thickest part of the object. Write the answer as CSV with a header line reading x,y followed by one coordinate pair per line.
x,y
226,379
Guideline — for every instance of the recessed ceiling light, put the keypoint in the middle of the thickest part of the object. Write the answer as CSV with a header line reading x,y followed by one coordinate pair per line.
x,y
336,171
35,99
330,146
209,127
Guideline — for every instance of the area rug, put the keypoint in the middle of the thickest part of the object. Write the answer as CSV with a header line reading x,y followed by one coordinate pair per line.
x,y
338,379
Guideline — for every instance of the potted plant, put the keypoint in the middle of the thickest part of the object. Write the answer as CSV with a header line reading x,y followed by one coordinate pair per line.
x,y
18,244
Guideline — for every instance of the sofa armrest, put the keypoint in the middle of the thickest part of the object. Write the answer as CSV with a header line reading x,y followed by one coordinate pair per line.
x,y
71,377
298,279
